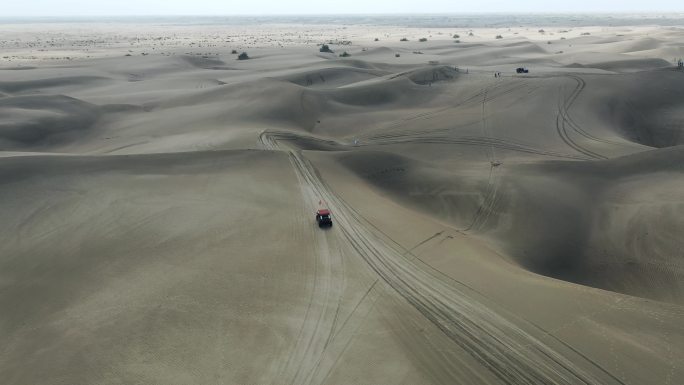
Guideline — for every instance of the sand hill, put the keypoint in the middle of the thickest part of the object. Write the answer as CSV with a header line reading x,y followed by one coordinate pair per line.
x,y
158,199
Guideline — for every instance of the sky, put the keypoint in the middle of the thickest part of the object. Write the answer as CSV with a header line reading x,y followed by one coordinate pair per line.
x,y
32,8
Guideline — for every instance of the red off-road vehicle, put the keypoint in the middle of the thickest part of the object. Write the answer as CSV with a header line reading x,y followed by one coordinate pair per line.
x,y
323,218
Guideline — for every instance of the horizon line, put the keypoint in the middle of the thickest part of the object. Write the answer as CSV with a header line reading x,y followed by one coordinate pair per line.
x,y
661,13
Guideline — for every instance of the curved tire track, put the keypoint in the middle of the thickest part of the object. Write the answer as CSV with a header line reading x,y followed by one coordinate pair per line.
x,y
581,84
424,139
563,120
507,351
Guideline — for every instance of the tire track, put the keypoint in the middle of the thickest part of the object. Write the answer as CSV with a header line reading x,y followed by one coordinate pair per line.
x,y
581,84
485,208
395,133
424,139
321,315
343,338
479,141
563,120
507,351
323,336
491,198
471,99
562,131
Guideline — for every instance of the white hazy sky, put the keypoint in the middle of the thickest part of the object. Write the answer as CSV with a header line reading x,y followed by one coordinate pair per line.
x,y
270,7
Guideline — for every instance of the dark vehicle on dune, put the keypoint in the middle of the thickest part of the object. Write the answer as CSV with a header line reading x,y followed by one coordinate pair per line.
x,y
522,70
323,218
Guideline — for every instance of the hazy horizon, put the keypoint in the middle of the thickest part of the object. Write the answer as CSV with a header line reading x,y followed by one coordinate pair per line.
x,y
79,8
427,20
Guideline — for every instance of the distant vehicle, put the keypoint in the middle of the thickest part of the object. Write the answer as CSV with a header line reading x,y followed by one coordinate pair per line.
x,y
522,70
324,218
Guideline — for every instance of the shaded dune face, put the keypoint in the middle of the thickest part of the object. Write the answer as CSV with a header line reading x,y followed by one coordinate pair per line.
x,y
610,225
332,77
572,220
646,108
433,74
447,195
31,122
28,86
575,221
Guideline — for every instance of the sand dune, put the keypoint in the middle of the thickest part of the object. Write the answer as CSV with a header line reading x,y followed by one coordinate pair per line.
x,y
27,86
158,200
32,122
332,77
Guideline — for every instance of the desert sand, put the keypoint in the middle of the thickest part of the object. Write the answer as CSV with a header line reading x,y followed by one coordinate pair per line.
x,y
157,198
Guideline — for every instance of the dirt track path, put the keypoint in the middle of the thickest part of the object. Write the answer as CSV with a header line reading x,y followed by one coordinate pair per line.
x,y
510,353
323,309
